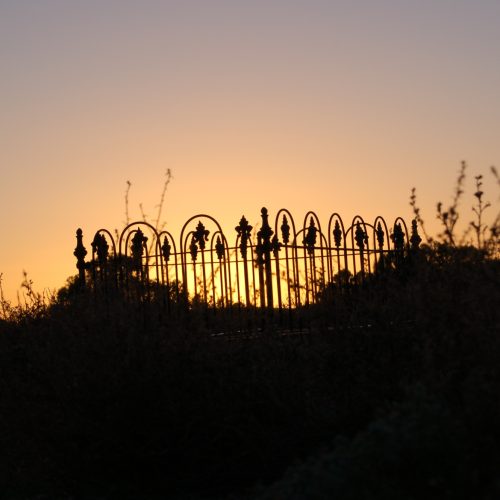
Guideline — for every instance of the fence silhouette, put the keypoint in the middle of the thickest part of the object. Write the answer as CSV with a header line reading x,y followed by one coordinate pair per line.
x,y
271,268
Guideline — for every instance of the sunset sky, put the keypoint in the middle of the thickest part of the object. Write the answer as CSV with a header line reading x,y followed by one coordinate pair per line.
x,y
325,105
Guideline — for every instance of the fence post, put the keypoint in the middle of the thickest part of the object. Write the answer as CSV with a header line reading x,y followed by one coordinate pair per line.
x,y
80,253
264,237
244,230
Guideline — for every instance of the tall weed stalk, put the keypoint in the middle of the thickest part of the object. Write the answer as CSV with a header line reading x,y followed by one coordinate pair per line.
x,y
449,218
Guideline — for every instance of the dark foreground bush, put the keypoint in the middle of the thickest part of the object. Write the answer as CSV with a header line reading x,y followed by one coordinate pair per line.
x,y
422,448
108,400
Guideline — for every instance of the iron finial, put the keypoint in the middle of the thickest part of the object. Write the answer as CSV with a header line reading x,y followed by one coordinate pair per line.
x,y
310,237
415,238
337,234
398,237
244,230
285,230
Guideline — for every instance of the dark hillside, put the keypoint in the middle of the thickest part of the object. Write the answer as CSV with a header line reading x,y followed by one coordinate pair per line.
x,y
398,400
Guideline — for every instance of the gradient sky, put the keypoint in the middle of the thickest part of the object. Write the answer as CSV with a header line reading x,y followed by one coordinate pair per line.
x,y
325,105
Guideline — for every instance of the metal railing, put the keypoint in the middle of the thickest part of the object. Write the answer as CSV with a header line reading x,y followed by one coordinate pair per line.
x,y
273,268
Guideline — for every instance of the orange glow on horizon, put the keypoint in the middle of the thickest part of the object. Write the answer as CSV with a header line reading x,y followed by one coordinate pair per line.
x,y
305,105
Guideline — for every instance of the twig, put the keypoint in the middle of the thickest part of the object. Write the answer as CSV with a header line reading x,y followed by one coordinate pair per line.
x,y
168,176
449,217
143,215
127,218
416,213
478,226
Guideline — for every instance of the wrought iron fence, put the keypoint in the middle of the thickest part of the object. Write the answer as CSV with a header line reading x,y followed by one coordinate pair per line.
x,y
275,267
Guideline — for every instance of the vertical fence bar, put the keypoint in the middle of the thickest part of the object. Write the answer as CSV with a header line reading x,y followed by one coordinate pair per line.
x,y
264,235
80,253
